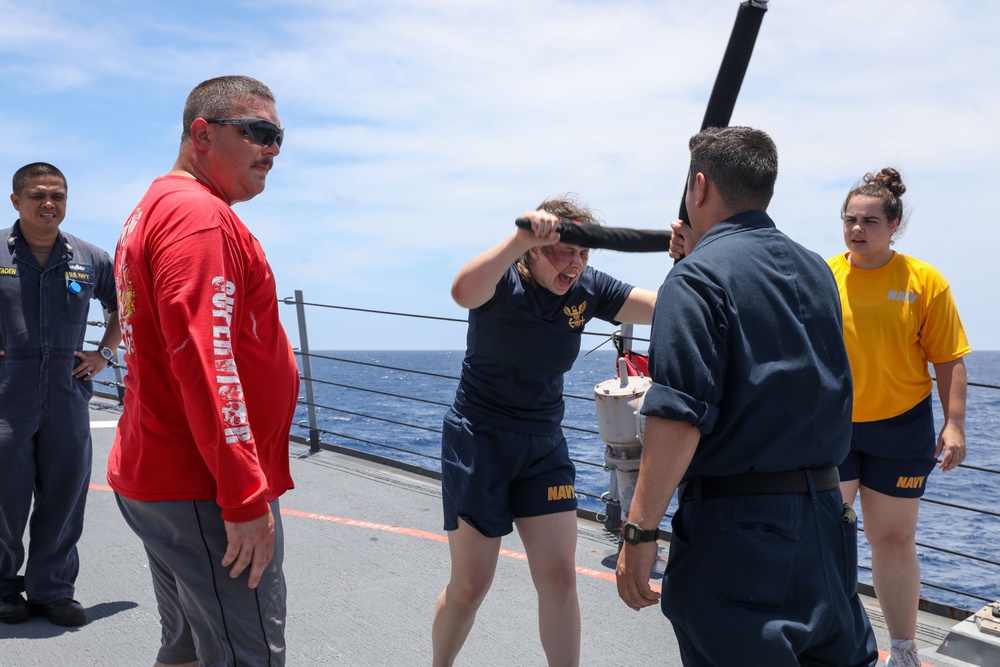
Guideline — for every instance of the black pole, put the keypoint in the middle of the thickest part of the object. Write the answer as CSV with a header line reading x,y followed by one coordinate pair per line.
x,y
612,238
734,64
730,77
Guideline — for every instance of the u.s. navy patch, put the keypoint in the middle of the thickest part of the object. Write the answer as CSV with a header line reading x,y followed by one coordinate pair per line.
x,y
8,271
81,273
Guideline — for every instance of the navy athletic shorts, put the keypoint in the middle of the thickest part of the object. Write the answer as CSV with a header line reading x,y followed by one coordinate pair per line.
x,y
893,456
491,476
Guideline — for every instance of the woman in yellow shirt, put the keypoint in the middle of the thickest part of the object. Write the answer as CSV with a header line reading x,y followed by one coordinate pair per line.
x,y
899,316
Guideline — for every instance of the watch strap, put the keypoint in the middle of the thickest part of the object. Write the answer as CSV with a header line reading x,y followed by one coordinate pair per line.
x,y
635,534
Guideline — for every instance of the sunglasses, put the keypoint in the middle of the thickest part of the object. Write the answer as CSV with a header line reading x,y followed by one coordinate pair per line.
x,y
262,131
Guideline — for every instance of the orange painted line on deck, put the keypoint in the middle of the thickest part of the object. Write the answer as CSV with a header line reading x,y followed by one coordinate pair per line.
x,y
413,532
507,553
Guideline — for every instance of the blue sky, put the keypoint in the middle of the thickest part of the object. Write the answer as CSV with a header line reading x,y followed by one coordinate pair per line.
x,y
417,130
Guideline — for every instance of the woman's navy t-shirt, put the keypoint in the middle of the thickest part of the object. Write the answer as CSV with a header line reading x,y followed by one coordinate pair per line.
x,y
522,341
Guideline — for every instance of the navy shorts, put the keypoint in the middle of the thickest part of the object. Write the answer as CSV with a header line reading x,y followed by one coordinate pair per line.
x,y
491,476
893,456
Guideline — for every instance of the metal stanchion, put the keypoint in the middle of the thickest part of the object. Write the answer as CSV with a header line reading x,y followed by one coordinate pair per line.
x,y
307,372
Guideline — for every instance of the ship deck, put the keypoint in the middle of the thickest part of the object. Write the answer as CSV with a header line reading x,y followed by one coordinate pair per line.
x,y
365,558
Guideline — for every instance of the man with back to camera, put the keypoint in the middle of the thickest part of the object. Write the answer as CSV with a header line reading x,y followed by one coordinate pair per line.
x,y
201,453
47,281
747,418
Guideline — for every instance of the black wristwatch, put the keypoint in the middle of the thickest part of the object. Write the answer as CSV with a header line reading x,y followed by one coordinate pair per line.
x,y
634,534
106,352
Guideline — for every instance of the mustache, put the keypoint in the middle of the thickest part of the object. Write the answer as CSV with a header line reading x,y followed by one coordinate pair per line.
x,y
266,160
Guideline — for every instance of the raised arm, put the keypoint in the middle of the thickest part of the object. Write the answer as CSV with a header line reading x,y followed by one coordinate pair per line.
x,y
477,280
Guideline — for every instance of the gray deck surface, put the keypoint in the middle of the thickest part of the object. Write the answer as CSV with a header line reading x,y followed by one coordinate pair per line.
x,y
365,558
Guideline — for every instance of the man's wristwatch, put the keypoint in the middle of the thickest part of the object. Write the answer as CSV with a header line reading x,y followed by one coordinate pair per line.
x,y
634,534
106,352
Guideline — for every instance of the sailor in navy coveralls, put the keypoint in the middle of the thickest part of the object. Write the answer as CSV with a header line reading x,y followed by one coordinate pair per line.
x,y
749,414
47,281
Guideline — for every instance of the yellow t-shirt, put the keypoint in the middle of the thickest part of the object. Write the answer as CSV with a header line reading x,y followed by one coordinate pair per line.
x,y
897,318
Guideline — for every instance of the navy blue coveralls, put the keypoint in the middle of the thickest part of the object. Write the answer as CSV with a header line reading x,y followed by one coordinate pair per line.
x,y
747,346
45,447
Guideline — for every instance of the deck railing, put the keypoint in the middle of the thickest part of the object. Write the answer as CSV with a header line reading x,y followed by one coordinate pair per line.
x,y
949,600
960,603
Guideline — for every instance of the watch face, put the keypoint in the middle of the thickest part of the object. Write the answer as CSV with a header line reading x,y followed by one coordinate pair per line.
x,y
107,353
634,534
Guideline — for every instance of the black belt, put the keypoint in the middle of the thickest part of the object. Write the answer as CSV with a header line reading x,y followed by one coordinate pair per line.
x,y
756,483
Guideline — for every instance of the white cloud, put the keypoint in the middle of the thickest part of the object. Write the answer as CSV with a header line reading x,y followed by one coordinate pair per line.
x,y
418,129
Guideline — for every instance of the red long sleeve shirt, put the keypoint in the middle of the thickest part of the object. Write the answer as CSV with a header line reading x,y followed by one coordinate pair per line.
x,y
212,381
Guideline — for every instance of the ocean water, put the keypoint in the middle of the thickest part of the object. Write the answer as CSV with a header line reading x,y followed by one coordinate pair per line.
x,y
391,403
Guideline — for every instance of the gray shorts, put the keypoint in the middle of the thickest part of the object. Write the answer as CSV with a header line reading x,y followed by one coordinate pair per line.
x,y
205,615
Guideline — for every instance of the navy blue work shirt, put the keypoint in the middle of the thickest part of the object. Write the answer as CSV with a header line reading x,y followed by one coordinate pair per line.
x,y
747,346
522,341
42,315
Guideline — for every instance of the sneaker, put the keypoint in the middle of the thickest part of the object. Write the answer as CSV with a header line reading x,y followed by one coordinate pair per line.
x,y
904,655
13,608
64,611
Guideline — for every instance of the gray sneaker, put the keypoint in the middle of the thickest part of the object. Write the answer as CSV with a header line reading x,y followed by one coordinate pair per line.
x,y
904,655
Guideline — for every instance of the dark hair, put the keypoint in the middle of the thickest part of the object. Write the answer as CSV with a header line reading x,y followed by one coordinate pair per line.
x,y
742,163
222,97
566,206
886,186
34,170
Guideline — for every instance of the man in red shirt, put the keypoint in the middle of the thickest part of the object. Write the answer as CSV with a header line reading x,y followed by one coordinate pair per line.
x,y
201,453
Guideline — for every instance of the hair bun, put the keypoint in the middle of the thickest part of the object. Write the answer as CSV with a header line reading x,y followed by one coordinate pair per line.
x,y
889,179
